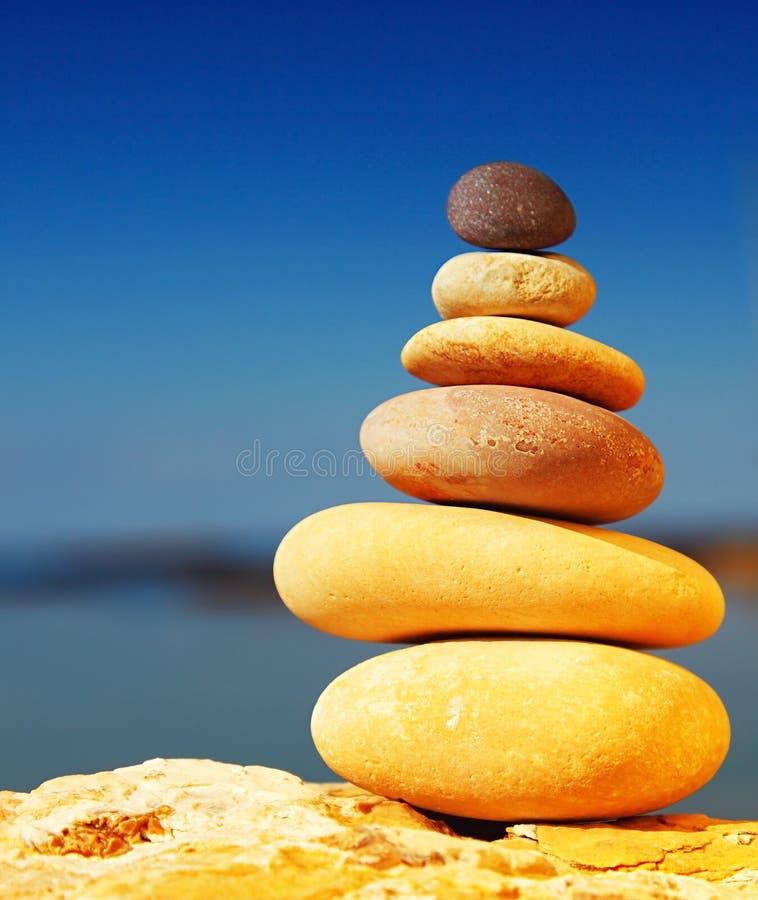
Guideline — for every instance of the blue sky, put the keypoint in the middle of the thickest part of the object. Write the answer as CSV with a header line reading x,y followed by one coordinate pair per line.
x,y
219,224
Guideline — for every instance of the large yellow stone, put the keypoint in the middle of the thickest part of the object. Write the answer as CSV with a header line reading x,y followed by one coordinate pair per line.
x,y
406,571
523,729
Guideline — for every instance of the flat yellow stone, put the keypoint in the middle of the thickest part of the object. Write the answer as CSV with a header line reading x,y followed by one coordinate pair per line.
x,y
547,287
236,833
520,730
502,350
405,571
713,849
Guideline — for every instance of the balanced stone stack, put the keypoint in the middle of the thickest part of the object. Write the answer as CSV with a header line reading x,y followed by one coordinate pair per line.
x,y
527,695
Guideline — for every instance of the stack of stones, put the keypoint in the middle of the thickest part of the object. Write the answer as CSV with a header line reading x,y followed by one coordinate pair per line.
x,y
526,695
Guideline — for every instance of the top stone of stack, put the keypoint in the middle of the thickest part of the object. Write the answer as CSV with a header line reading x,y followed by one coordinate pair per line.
x,y
509,206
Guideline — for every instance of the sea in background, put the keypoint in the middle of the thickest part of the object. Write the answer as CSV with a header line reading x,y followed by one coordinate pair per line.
x,y
109,676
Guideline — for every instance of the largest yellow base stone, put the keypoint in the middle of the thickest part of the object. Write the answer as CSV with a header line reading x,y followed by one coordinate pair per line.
x,y
522,729
202,830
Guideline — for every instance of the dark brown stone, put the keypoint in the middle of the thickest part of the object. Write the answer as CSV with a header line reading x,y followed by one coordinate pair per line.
x,y
509,206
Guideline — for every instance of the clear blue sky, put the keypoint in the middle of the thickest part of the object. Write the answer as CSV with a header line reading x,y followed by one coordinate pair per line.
x,y
219,223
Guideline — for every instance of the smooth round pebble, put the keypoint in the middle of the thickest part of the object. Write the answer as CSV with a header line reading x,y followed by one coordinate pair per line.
x,y
520,730
546,287
409,571
509,206
515,448
500,350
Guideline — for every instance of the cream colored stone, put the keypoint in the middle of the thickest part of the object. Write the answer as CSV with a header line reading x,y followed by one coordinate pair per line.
x,y
523,729
503,350
405,571
547,287
260,834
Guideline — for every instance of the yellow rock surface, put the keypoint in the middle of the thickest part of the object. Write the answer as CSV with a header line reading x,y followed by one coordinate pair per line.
x,y
223,832
405,571
680,844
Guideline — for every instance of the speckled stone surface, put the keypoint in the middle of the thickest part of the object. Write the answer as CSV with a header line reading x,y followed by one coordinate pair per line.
x,y
514,448
510,206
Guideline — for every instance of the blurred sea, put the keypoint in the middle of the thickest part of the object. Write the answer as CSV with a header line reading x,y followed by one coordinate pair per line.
x,y
113,676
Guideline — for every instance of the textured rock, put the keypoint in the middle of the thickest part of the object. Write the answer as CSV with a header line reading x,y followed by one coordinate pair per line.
x,y
515,448
546,287
407,571
713,849
509,206
238,833
522,729
502,350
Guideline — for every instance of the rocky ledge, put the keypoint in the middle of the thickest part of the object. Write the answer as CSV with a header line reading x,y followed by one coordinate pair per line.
x,y
196,829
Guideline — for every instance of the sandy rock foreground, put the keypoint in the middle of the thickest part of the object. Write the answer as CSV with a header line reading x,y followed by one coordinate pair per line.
x,y
195,829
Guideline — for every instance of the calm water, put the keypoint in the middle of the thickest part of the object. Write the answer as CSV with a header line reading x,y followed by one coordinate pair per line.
x,y
113,679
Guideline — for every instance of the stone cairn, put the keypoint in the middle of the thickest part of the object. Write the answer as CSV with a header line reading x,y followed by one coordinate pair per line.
x,y
526,695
